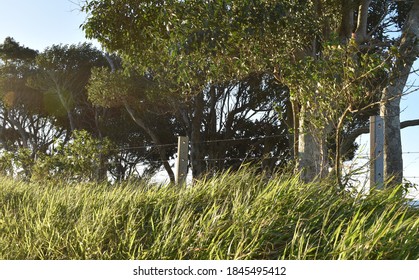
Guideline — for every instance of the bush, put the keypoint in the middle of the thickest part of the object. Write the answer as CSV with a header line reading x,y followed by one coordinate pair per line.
x,y
83,159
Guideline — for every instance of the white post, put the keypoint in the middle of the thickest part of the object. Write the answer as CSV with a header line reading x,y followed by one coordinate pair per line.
x,y
376,152
181,168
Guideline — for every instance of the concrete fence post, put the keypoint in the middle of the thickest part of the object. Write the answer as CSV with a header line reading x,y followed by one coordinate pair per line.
x,y
376,152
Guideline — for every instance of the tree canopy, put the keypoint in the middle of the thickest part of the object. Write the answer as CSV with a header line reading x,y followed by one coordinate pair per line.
x,y
196,42
245,80
187,45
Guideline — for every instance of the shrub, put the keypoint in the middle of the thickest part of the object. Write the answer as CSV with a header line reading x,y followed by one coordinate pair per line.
x,y
83,159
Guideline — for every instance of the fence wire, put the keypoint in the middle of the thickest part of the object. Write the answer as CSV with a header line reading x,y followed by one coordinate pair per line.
x,y
360,156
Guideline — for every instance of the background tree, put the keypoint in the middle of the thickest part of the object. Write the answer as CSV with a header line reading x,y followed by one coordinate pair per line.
x,y
62,75
227,124
239,122
77,161
113,88
26,128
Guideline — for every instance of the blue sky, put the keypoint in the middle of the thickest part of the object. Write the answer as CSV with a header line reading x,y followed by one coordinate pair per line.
x,y
41,23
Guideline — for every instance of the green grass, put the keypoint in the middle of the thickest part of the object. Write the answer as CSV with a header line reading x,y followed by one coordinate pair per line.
x,y
232,216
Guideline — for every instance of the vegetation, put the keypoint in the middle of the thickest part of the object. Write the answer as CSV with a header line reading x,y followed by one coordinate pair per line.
x,y
258,86
245,80
240,215
188,46
49,97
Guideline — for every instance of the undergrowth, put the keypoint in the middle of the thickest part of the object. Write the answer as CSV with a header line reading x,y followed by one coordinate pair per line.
x,y
239,215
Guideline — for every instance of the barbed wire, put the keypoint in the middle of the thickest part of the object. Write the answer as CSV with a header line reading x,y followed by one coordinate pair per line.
x,y
145,147
363,156
239,139
150,146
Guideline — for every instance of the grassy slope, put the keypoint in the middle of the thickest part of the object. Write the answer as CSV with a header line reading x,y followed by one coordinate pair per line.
x,y
232,216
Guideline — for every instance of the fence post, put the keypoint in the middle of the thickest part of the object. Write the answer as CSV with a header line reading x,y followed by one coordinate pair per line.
x,y
376,152
181,168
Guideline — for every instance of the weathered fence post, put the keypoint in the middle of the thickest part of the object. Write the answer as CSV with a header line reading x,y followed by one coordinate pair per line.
x,y
376,152
181,168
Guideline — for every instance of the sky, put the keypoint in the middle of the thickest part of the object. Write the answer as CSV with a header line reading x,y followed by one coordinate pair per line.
x,y
39,24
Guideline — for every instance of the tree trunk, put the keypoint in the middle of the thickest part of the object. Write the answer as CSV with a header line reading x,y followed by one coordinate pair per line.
x,y
211,131
156,140
197,160
347,22
361,30
63,100
390,101
312,150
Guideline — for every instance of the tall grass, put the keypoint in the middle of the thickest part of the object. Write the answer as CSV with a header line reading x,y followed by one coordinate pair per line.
x,y
238,215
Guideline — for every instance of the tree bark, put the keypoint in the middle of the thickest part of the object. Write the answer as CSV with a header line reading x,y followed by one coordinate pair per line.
x,y
347,22
390,101
361,28
312,150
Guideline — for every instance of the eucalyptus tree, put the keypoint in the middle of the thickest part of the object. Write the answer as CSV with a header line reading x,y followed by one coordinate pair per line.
x,y
26,129
190,45
112,88
406,53
228,123
18,100
62,75
236,122
193,44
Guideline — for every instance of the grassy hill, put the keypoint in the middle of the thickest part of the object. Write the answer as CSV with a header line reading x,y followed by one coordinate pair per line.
x,y
238,215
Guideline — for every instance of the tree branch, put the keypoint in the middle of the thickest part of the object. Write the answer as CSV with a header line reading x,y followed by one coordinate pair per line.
x,y
361,35
366,129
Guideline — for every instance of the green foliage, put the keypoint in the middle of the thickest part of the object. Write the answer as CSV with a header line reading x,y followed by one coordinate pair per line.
x,y
80,160
17,164
6,164
12,50
192,43
107,89
17,64
188,45
62,73
231,216
111,89
338,79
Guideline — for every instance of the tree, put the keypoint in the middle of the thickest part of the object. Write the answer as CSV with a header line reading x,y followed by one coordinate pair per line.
x,y
62,75
193,44
189,45
77,161
43,100
234,123
26,129
113,88
220,121
407,53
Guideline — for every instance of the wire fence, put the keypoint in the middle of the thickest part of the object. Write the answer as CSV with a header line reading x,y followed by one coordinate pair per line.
x,y
410,158
153,148
363,155
232,140
201,142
